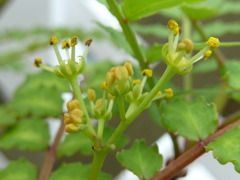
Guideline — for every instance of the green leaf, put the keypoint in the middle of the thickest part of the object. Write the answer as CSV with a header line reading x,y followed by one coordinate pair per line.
x,y
78,142
135,9
27,134
157,30
226,148
7,117
40,95
19,170
231,72
230,7
194,120
142,160
75,171
154,53
118,38
74,143
104,2
205,67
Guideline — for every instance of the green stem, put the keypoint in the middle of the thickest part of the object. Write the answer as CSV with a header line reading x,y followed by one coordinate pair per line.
x,y
167,75
98,159
77,92
100,128
121,107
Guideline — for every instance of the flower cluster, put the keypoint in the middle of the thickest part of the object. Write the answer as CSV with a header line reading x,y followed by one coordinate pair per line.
x,y
68,67
74,117
174,53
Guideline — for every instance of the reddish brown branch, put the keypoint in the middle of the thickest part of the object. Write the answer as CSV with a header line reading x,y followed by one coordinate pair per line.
x,y
51,155
192,154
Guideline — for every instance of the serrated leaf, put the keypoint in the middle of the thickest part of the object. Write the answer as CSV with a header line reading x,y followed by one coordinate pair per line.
x,y
27,134
135,9
231,72
142,160
194,120
226,148
74,143
75,171
19,170
7,117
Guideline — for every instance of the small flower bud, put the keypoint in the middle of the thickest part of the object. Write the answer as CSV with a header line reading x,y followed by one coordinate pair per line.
x,y
169,93
74,41
71,128
189,45
121,73
213,42
91,94
88,42
65,44
37,62
104,86
147,72
67,118
110,78
74,104
128,66
53,40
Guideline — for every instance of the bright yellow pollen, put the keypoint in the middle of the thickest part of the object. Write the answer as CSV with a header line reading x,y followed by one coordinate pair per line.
x,y
169,93
65,44
207,54
213,42
147,72
53,40
136,81
173,25
37,62
159,93
74,41
104,86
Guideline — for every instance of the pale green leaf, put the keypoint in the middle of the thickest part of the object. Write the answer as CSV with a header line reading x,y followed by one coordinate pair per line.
x,y
157,30
226,148
154,53
74,143
230,7
7,117
19,170
194,120
75,171
205,67
142,160
231,72
31,134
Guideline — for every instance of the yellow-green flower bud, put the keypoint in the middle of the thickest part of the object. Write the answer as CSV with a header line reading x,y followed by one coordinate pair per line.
x,y
73,104
128,66
121,73
91,94
71,128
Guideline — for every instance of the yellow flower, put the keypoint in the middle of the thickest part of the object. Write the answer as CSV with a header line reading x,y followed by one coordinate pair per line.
x,y
213,42
147,72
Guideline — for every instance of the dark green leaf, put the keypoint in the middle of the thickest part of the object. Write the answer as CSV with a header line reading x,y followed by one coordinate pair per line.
x,y
75,171
194,120
19,170
7,117
74,143
142,160
27,134
226,148
231,72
